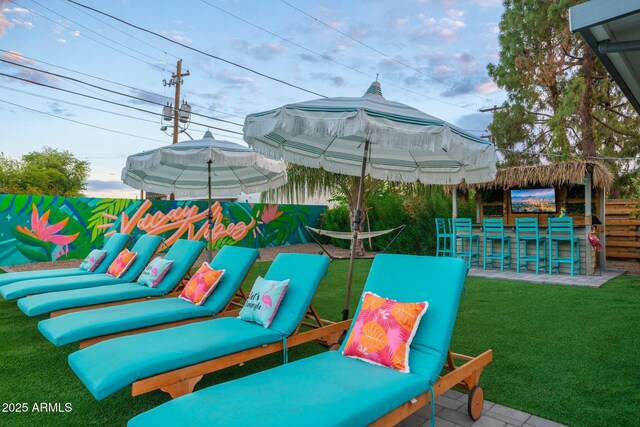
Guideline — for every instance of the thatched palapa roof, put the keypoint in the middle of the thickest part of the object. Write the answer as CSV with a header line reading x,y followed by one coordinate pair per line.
x,y
570,172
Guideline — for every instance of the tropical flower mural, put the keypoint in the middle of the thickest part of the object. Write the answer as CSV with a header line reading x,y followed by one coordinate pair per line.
x,y
38,242
71,227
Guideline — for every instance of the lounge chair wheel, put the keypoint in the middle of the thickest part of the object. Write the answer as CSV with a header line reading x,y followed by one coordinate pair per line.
x,y
475,402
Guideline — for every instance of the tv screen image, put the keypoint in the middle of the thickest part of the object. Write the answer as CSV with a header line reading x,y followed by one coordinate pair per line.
x,y
533,200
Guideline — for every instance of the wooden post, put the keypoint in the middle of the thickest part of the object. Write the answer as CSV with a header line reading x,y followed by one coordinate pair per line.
x,y
454,241
602,234
455,202
587,224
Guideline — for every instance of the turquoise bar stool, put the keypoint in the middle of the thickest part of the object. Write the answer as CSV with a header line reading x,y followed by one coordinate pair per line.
x,y
444,236
527,232
561,232
463,232
494,235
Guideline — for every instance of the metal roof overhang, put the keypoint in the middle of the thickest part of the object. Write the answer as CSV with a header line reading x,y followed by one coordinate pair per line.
x,y
612,29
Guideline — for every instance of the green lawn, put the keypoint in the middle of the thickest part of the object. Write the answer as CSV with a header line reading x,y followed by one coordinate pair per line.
x,y
564,353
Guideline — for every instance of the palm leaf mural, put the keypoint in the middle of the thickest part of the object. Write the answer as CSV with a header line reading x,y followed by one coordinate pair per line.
x,y
267,225
113,207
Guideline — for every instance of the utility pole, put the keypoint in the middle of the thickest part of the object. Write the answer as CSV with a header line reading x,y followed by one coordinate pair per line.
x,y
486,110
176,79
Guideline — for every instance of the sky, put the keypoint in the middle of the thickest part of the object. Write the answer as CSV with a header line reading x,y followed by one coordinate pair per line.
x,y
430,54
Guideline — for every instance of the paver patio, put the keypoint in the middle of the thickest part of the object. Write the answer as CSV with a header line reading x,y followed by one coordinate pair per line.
x,y
451,411
595,281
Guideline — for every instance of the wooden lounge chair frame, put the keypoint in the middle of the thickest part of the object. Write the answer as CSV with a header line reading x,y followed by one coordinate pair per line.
x,y
182,381
174,293
226,312
466,376
237,301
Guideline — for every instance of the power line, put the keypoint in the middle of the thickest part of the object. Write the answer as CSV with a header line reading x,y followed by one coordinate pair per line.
x,y
531,153
119,30
198,50
75,104
107,101
96,33
89,107
328,58
116,83
17,57
81,123
111,90
84,35
382,53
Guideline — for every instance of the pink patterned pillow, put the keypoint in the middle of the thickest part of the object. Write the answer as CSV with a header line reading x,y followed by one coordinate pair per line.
x,y
121,264
201,284
383,331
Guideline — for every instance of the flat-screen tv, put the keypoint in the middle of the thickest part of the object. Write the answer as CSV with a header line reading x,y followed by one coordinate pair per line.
x,y
533,200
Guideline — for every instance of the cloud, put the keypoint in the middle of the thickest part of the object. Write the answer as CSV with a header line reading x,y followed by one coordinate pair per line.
x,y
471,83
15,56
148,96
400,21
476,123
337,81
59,110
177,36
445,29
61,41
5,23
98,185
487,3
488,87
455,13
359,32
75,33
14,10
23,24
234,80
309,57
261,52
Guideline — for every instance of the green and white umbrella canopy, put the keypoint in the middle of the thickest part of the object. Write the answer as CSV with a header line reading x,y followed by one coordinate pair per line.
x,y
371,136
405,144
182,169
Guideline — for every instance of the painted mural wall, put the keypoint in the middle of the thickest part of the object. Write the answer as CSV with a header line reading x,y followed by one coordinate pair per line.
x,y
50,228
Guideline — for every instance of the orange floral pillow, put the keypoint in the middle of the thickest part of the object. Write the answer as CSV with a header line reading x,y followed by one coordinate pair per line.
x,y
383,331
201,284
121,264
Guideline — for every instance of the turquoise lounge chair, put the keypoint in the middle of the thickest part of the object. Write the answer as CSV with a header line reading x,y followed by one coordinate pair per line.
x,y
183,253
145,247
92,326
333,390
112,246
175,359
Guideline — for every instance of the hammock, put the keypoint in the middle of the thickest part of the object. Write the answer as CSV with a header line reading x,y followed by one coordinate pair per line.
x,y
348,235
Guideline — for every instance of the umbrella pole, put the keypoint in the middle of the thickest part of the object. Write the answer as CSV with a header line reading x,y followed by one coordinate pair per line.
x,y
356,226
209,216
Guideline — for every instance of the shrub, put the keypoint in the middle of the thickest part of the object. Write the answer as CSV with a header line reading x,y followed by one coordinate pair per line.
x,y
389,209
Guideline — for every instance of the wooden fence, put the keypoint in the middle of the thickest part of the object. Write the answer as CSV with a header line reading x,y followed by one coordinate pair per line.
x,y
623,229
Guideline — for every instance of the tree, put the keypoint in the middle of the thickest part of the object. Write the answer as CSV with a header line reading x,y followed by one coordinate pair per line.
x,y
10,171
303,182
561,101
48,172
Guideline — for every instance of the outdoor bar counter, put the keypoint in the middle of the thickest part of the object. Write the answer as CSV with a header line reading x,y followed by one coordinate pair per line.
x,y
510,230
575,189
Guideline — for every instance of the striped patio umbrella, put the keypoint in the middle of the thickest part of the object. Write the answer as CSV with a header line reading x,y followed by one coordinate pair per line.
x,y
369,135
203,168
